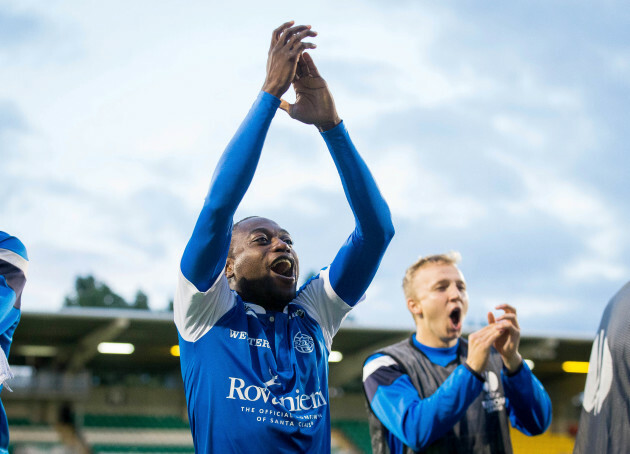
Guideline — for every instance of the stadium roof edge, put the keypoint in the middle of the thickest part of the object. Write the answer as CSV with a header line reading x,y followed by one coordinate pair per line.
x,y
106,313
141,314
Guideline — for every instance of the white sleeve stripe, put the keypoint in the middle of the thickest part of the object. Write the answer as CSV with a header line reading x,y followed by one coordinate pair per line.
x,y
14,259
329,311
196,312
330,291
375,364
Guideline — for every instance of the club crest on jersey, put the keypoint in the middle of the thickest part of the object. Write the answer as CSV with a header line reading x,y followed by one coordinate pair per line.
x,y
303,343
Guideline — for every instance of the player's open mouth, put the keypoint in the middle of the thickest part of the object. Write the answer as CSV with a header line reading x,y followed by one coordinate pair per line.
x,y
283,266
456,317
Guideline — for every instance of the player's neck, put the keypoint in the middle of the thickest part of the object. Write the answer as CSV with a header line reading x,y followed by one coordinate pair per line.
x,y
431,340
268,304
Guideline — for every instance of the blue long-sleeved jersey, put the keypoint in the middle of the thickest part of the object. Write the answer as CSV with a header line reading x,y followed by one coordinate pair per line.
x,y
418,422
257,380
13,270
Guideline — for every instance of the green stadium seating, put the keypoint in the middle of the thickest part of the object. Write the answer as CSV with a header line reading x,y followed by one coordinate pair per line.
x,y
135,421
358,432
108,449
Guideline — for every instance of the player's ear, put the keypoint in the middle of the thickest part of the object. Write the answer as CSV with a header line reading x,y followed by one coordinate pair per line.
x,y
414,306
229,268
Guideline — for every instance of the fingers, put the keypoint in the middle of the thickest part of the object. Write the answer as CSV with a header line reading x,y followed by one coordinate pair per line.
x,y
486,335
285,51
506,308
285,106
509,313
479,344
287,35
302,68
491,319
494,334
295,43
312,69
511,318
293,34
275,36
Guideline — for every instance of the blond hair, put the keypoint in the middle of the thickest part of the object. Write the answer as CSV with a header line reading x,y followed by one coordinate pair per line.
x,y
450,258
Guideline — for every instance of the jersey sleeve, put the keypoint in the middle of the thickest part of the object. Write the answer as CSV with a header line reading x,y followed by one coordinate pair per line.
x,y
206,252
528,403
416,422
13,273
197,312
356,263
322,303
203,294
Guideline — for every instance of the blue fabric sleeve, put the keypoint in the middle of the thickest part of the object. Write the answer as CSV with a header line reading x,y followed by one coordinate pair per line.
x,y
7,300
356,263
12,279
12,243
419,422
528,403
206,252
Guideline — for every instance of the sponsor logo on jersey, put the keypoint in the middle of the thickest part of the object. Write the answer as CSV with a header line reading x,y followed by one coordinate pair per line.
x,y
303,343
600,375
253,341
492,382
297,400
297,313
493,400
273,381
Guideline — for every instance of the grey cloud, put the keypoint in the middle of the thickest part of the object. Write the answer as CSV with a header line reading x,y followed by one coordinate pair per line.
x,y
11,121
511,44
10,116
18,29
33,38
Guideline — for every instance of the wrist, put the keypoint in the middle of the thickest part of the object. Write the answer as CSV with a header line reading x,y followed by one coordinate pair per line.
x,y
473,366
328,125
474,372
513,363
273,90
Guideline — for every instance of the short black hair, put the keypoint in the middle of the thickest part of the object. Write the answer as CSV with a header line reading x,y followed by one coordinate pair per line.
x,y
234,228
242,220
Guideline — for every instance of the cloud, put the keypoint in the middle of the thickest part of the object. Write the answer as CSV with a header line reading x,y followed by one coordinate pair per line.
x,y
578,209
496,130
18,28
12,124
10,117
421,194
31,36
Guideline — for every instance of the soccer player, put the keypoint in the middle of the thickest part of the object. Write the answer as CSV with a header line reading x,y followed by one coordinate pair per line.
x,y
254,350
437,393
605,420
13,267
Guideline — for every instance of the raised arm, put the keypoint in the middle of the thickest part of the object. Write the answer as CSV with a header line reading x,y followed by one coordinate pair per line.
x,y
354,267
206,252
356,263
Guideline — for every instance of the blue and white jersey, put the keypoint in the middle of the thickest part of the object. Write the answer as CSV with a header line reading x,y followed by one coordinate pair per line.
x,y
257,381
264,377
13,270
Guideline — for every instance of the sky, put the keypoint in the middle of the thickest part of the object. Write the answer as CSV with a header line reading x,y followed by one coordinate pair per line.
x,y
498,130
